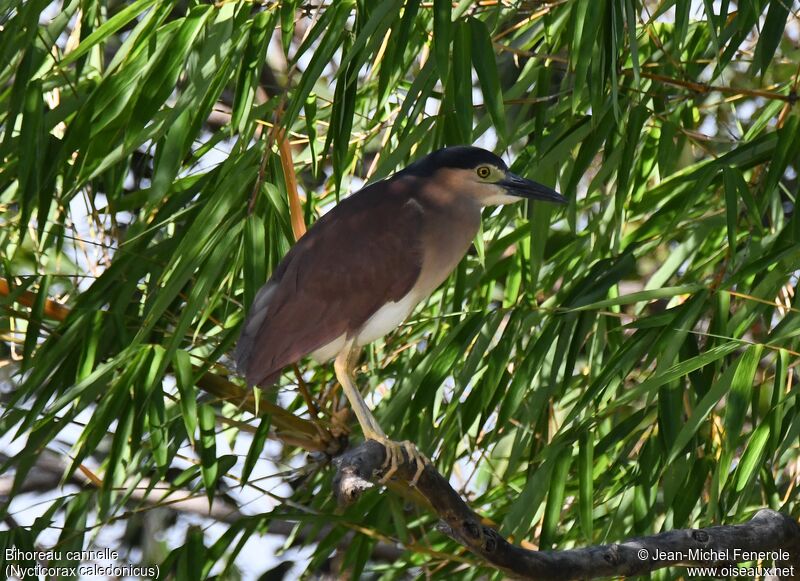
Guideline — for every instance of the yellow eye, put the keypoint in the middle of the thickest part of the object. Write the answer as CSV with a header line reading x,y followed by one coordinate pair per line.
x,y
484,171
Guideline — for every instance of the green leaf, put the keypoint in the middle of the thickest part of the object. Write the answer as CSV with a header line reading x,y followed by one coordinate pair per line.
x,y
109,27
739,398
485,63
256,447
442,35
731,207
251,66
332,23
209,465
752,458
787,149
700,412
460,81
32,151
770,36
584,17
555,500
527,507
586,485
159,436
684,367
640,296
185,381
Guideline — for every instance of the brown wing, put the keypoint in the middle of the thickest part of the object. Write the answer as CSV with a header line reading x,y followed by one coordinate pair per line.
x,y
362,254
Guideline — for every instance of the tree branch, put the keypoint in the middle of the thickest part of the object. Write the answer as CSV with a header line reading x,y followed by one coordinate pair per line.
x,y
719,546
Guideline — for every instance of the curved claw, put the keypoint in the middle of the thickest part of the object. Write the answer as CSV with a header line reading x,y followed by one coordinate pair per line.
x,y
420,459
395,457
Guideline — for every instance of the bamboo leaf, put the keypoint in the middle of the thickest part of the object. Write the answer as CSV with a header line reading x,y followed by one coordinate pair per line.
x,y
442,35
209,466
109,27
739,399
256,447
485,63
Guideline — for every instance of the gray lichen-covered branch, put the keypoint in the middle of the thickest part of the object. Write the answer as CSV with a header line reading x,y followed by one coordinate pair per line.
x,y
769,533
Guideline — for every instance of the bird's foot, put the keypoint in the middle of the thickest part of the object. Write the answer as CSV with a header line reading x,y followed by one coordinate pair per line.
x,y
395,457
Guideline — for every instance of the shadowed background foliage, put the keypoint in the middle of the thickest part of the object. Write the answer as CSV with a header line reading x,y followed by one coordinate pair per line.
x,y
619,367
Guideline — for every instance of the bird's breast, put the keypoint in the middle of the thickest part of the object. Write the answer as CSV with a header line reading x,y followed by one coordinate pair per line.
x,y
446,237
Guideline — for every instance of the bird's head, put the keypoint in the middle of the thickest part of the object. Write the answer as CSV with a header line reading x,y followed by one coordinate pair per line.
x,y
482,175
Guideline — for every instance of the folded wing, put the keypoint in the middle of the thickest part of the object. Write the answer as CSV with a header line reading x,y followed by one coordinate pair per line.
x,y
362,254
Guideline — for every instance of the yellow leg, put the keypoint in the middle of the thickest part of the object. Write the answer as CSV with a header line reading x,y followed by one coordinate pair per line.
x,y
344,366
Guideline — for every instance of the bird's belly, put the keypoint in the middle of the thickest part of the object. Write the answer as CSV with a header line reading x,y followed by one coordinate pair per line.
x,y
387,318
330,350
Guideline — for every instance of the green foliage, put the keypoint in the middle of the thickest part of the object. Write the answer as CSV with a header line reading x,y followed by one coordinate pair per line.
x,y
617,368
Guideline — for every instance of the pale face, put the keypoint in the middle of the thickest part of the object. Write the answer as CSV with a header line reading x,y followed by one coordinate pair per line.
x,y
489,193
487,185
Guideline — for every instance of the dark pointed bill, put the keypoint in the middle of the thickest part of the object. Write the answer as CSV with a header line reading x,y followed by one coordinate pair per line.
x,y
519,186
